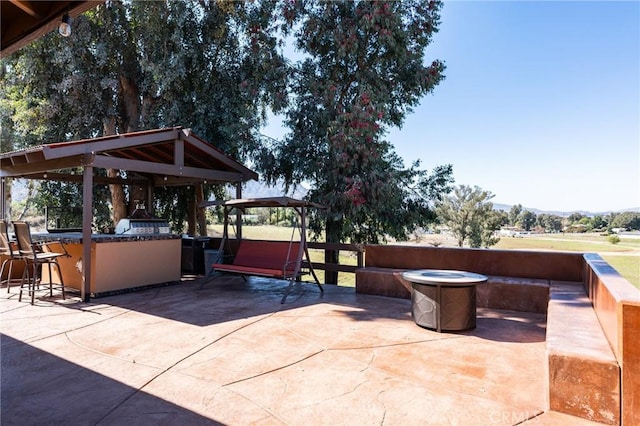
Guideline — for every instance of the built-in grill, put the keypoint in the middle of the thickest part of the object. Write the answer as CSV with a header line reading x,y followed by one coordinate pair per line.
x,y
142,227
142,222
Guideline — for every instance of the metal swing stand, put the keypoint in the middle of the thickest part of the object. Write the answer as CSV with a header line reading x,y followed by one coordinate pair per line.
x,y
266,258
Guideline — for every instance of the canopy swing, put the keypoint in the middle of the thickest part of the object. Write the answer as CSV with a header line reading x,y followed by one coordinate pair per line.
x,y
273,259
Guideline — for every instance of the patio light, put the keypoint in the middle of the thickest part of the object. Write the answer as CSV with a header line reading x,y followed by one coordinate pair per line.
x,y
65,26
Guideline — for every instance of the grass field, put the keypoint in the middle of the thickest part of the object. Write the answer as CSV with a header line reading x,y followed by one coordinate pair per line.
x,y
627,266
624,256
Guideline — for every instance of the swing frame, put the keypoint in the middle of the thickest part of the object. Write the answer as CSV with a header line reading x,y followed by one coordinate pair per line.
x,y
273,259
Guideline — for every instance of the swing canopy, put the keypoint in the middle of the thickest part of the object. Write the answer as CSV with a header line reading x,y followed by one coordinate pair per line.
x,y
262,202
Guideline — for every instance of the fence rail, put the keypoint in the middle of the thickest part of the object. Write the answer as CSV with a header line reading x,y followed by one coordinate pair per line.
x,y
321,266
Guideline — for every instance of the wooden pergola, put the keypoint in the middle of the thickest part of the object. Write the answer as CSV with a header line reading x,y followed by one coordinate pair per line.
x,y
163,157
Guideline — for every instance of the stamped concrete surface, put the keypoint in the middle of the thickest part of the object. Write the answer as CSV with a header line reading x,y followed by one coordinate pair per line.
x,y
229,353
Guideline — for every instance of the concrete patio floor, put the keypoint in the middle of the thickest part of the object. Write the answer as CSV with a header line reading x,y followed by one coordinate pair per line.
x,y
230,353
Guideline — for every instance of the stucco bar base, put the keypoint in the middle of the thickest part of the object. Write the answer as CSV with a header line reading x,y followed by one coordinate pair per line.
x,y
122,265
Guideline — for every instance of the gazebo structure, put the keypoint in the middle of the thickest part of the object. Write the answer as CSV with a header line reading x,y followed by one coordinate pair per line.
x,y
163,157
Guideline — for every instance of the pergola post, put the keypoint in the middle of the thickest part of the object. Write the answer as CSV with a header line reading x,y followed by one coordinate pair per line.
x,y
239,212
87,216
3,193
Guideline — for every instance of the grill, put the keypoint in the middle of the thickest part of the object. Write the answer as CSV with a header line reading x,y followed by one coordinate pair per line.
x,y
142,227
142,223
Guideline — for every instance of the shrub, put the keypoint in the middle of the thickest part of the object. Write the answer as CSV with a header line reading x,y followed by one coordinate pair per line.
x,y
613,239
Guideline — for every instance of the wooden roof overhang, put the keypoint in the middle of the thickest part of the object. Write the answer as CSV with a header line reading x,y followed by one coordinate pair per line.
x,y
172,156
23,21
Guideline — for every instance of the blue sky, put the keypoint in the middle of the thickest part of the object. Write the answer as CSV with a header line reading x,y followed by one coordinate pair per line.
x,y
540,105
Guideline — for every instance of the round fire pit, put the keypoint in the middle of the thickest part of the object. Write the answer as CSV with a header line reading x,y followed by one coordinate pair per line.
x,y
444,300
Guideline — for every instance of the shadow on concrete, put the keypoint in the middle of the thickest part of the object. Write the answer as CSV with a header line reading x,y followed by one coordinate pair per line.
x,y
513,327
229,297
223,299
32,394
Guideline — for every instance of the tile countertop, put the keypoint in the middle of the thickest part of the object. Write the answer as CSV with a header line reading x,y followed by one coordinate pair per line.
x,y
76,237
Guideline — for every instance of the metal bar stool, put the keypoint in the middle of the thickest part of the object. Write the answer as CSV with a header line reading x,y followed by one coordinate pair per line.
x,y
10,256
37,256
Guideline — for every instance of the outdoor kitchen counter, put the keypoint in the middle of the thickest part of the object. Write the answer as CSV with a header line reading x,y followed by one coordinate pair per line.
x,y
76,237
118,262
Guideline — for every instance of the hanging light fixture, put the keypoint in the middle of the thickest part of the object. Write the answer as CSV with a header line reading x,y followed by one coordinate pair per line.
x,y
65,26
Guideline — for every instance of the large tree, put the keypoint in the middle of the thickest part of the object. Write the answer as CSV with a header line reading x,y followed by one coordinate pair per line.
x,y
363,69
469,215
211,66
527,220
628,220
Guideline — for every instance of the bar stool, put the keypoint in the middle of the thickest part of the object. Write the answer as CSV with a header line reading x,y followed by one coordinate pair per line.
x,y
37,256
6,250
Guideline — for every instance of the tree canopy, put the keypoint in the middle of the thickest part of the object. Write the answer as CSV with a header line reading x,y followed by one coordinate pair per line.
x,y
218,67
626,220
363,71
469,215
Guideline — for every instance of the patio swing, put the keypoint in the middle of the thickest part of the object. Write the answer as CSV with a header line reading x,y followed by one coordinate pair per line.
x,y
272,259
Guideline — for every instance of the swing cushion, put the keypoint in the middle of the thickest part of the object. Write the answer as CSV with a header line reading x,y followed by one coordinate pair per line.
x,y
275,259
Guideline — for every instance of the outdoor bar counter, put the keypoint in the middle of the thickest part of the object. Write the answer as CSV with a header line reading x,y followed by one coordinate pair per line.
x,y
118,262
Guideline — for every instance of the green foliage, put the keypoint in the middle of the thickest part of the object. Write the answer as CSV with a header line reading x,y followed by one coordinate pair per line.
x,y
613,239
523,218
68,195
598,222
469,215
514,214
549,222
627,220
363,70
575,217
527,220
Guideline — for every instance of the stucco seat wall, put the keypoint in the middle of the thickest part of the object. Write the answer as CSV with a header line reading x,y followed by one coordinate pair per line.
x,y
583,373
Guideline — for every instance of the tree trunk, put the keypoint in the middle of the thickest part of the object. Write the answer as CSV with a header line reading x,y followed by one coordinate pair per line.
x,y
332,256
131,100
200,215
7,186
118,199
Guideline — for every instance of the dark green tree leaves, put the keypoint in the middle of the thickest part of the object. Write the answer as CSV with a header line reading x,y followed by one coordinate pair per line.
x,y
364,70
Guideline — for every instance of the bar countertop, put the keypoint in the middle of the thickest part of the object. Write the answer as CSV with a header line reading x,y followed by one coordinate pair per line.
x,y
76,237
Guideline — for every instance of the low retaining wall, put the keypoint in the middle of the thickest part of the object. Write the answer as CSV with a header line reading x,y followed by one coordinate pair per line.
x,y
557,266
